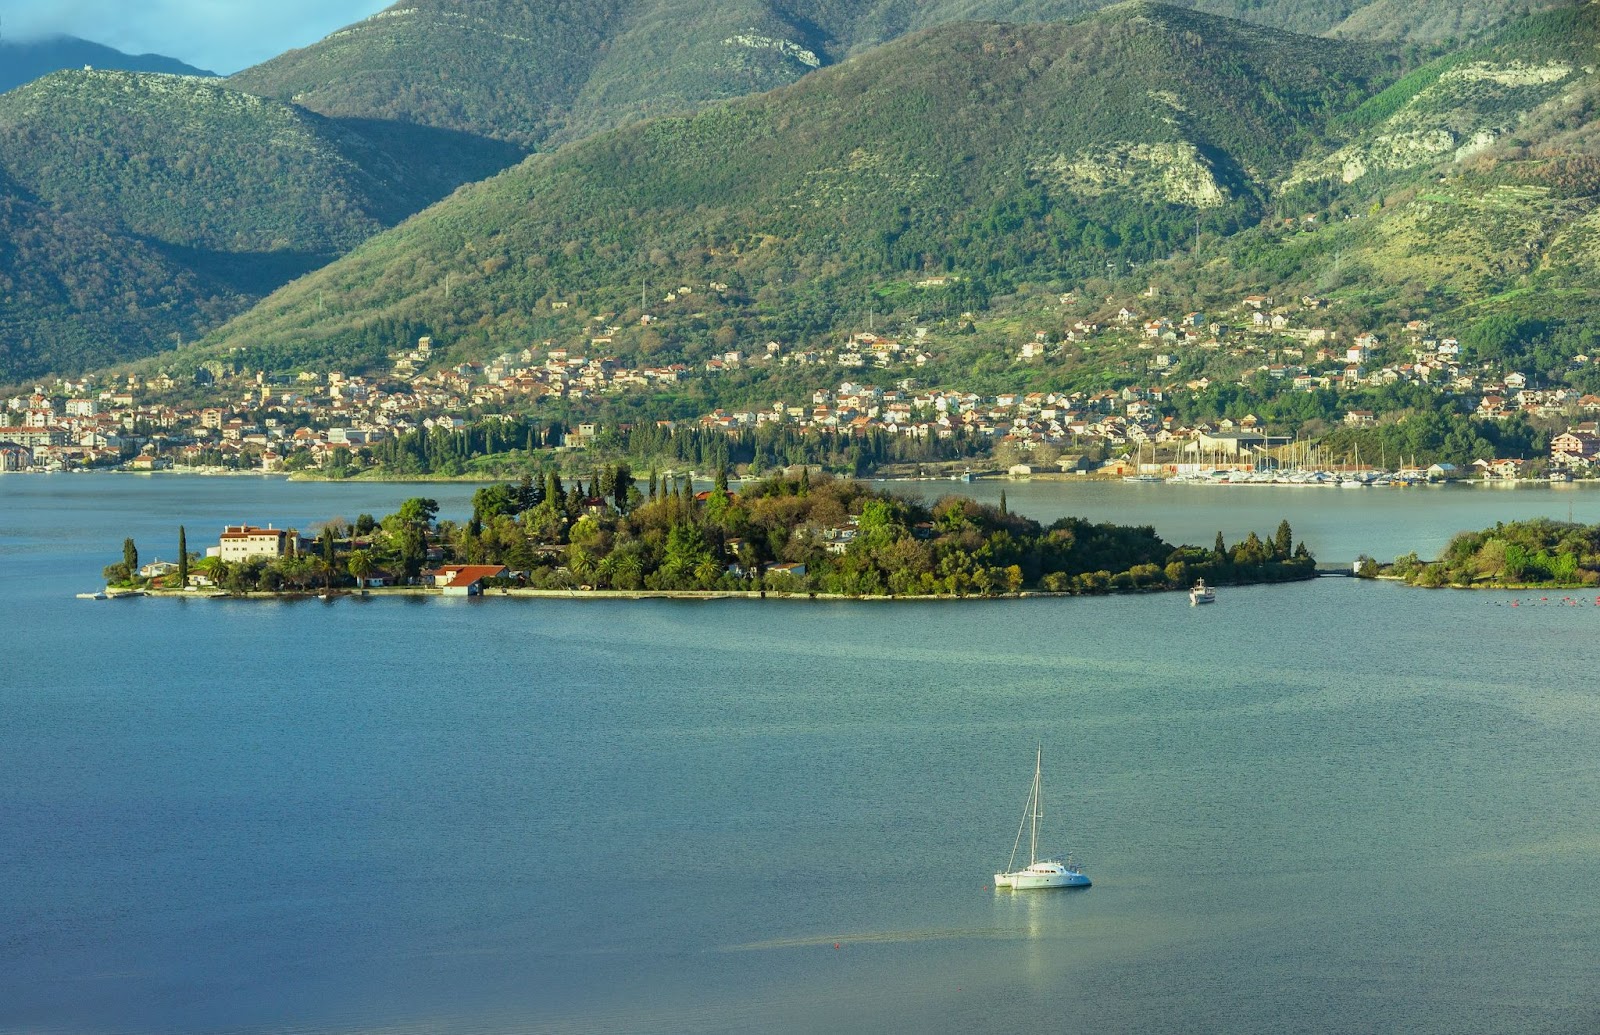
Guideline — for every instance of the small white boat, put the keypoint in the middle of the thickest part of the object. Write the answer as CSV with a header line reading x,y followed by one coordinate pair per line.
x,y
1202,594
98,594
1039,873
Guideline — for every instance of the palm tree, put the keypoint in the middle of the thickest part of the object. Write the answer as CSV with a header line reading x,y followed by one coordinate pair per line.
x,y
629,572
360,566
606,571
707,572
581,563
215,569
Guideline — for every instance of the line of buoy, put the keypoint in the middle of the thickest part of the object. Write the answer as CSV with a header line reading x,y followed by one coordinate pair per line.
x,y
1547,602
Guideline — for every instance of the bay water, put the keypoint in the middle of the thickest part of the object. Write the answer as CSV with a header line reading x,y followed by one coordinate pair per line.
x,y
1327,806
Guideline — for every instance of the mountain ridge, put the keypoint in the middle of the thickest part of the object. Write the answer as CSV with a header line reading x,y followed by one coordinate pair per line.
x,y
22,61
567,72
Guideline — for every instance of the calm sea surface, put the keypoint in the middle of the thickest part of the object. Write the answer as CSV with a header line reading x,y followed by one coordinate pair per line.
x,y
1336,806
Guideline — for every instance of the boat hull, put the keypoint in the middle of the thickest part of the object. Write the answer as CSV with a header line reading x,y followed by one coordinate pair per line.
x,y
1042,876
1036,882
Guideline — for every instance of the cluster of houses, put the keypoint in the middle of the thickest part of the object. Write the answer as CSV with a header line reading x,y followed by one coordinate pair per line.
x,y
1124,417
1306,357
257,423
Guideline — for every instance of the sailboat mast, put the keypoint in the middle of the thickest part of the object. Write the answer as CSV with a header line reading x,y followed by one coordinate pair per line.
x,y
1038,806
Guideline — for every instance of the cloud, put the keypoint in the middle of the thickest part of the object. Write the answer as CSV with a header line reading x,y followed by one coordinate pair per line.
x,y
222,35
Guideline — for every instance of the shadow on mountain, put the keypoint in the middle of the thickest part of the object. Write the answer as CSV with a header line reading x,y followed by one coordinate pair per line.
x,y
421,164
253,274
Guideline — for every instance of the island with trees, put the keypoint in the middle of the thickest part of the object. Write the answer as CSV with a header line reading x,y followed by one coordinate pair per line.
x,y
795,534
1535,554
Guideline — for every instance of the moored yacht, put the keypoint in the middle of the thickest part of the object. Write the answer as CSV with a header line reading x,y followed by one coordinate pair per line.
x,y
1039,873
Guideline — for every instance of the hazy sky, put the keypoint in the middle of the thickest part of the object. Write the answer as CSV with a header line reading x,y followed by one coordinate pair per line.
x,y
221,35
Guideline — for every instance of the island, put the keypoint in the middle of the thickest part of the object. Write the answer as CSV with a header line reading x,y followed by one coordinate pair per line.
x,y
791,534
1536,554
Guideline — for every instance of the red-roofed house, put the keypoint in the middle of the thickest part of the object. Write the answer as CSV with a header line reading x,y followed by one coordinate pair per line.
x,y
465,580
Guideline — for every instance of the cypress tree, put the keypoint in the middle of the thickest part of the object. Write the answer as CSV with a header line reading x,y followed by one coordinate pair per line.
x,y
1283,541
327,555
183,558
622,487
130,557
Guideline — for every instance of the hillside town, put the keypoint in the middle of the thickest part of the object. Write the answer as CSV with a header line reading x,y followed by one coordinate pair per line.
x,y
259,423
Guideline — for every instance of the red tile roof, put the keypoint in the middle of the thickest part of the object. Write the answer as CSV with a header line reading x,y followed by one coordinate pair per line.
x,y
466,574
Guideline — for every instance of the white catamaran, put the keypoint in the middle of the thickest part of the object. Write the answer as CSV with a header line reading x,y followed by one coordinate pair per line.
x,y
1039,873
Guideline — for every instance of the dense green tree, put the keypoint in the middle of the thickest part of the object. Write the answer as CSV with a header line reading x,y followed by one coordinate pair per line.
x,y
418,511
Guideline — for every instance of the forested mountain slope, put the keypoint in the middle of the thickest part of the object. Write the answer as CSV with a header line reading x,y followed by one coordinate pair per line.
x,y
148,175
985,152
67,286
